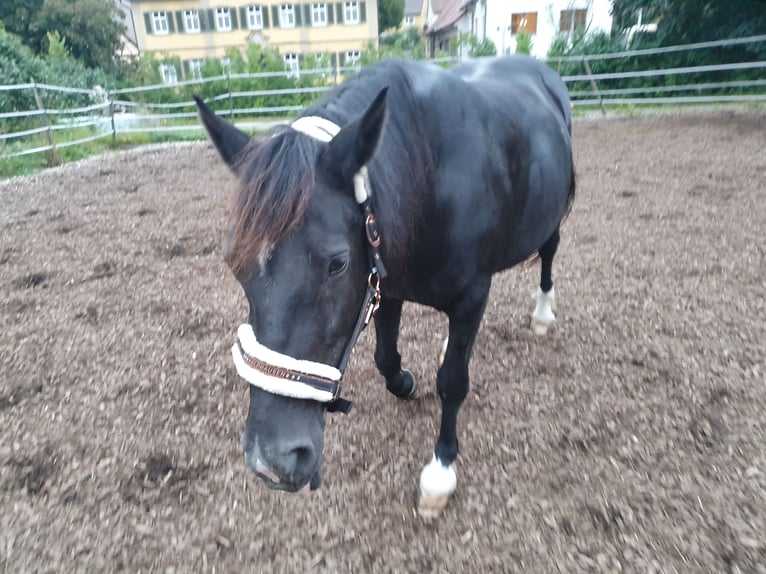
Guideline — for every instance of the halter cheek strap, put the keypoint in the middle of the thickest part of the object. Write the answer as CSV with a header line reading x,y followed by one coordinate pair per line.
x,y
281,374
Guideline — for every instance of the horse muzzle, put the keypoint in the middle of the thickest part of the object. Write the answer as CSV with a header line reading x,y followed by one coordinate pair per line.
x,y
292,470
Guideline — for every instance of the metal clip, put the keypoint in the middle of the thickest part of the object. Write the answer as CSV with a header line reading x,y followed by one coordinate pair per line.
x,y
373,283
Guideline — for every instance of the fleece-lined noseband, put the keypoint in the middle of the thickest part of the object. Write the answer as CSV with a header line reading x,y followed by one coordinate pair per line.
x,y
281,374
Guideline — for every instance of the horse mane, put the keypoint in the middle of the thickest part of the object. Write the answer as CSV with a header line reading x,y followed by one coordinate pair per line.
x,y
278,172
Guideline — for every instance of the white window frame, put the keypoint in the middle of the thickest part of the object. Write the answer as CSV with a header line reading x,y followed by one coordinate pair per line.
x,y
168,73
409,20
351,12
160,23
195,68
287,15
254,17
319,14
352,58
191,21
223,19
292,65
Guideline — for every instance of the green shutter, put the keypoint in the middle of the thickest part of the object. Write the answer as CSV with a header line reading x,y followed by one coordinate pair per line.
x,y
180,21
275,15
265,14
297,10
148,22
202,20
307,14
339,12
185,66
362,11
333,56
234,22
330,13
210,19
243,18
171,22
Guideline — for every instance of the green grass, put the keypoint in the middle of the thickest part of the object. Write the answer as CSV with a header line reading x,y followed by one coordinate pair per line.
x,y
28,164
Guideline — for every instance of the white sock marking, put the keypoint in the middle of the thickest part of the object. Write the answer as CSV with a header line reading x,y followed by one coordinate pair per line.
x,y
443,354
438,480
546,303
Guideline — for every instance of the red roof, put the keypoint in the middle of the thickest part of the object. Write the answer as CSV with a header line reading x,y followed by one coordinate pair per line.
x,y
450,13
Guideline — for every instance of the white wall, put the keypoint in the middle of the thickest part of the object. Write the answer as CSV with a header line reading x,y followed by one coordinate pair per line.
x,y
548,14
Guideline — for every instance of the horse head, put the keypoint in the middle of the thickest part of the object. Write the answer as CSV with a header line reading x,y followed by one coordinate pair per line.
x,y
298,247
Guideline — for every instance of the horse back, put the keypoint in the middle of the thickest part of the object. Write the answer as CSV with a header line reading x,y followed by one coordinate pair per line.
x,y
502,142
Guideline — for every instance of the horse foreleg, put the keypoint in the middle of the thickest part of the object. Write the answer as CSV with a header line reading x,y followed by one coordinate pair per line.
x,y
543,317
399,382
438,480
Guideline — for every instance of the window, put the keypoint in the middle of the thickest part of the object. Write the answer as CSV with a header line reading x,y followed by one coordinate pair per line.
x,y
160,22
168,74
319,14
409,20
286,16
291,64
191,21
524,21
351,12
195,69
571,20
226,63
255,17
222,20
352,57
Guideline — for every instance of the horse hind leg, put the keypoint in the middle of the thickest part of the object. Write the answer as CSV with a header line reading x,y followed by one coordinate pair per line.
x,y
543,317
399,382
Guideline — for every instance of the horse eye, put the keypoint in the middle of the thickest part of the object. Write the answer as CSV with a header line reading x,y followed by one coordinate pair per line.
x,y
337,265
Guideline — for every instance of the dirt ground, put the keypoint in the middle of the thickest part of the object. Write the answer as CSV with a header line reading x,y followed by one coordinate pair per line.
x,y
630,439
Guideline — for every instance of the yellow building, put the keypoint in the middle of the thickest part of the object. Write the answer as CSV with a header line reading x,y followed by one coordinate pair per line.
x,y
194,30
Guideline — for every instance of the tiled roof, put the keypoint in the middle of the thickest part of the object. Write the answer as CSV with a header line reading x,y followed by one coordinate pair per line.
x,y
450,13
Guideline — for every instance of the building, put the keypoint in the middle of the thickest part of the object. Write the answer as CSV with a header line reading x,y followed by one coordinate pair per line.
x,y
415,13
501,20
195,30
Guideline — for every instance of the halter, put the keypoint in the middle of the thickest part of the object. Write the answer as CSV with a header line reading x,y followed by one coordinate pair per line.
x,y
284,375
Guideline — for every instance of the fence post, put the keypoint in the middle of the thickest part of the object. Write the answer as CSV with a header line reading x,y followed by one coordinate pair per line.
x,y
593,85
53,157
228,87
111,114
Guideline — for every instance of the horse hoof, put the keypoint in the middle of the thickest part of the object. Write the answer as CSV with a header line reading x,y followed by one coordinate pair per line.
x,y
406,387
430,506
540,328
437,483
412,383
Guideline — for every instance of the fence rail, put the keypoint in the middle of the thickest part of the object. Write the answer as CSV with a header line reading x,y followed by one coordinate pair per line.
x,y
109,113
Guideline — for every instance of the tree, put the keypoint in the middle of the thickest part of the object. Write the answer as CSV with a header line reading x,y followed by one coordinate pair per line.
x,y
688,21
18,16
390,14
91,29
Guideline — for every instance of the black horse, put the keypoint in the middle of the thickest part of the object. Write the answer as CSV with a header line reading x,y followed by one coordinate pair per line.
x,y
407,182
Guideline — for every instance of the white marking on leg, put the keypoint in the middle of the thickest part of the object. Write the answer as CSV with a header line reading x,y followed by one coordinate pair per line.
x,y
543,316
437,483
443,353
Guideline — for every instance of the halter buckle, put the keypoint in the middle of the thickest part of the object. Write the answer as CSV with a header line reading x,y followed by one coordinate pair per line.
x,y
373,287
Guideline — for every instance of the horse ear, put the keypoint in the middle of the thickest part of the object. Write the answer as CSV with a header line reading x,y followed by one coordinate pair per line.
x,y
357,141
228,140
